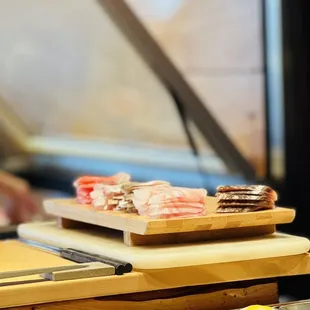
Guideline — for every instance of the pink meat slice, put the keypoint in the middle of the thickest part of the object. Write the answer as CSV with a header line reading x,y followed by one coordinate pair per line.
x,y
82,195
85,185
177,209
110,180
169,194
108,191
84,201
141,196
169,202
162,198
180,213
186,207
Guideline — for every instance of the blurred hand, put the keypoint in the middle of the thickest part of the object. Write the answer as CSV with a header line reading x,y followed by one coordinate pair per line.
x,y
20,205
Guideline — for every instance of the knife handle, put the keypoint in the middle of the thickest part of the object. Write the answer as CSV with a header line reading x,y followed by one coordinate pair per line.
x,y
109,260
79,257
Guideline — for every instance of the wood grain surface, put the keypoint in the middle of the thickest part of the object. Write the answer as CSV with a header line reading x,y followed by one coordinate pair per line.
x,y
219,297
34,290
68,208
132,239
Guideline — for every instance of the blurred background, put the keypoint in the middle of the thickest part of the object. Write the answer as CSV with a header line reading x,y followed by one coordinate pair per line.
x,y
78,96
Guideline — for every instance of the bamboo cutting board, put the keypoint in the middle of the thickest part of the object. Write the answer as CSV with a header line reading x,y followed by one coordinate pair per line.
x,y
69,209
99,241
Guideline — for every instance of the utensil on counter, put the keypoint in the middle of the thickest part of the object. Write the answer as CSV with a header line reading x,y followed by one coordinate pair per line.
x,y
61,273
78,256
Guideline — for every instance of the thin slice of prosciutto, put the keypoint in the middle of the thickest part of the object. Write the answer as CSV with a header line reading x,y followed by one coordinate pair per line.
x,y
85,185
169,202
245,198
118,178
248,190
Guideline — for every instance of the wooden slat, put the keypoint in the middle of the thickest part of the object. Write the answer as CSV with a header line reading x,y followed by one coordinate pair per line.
x,y
132,239
194,298
68,208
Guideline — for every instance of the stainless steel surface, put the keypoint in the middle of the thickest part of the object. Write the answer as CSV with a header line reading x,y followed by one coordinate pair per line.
x,y
45,247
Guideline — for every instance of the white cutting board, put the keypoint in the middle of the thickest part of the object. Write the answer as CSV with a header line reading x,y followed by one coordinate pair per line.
x,y
168,256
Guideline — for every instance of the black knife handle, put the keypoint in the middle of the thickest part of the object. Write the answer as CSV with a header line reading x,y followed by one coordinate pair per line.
x,y
79,257
109,260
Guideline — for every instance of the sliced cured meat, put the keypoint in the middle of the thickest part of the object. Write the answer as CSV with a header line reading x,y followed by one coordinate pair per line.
x,y
86,186
100,202
104,204
154,185
156,199
89,188
272,194
170,194
159,210
170,215
99,192
245,203
126,204
246,188
130,186
83,195
250,189
106,197
261,204
109,180
245,198
177,194
233,197
83,200
169,202
238,210
108,189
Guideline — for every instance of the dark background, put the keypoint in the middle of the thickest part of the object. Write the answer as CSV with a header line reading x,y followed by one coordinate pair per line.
x,y
294,189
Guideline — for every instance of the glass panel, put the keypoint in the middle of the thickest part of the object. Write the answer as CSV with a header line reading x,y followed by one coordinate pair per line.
x,y
217,44
67,71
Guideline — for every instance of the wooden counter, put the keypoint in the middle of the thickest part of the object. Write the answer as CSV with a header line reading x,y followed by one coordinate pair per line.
x,y
201,287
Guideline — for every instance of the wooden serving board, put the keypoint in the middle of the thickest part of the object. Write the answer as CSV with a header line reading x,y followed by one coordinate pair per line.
x,y
140,230
100,241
